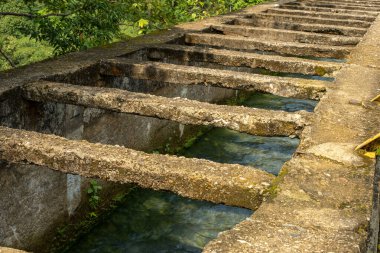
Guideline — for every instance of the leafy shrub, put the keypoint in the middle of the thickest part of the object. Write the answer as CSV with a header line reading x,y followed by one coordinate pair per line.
x,y
56,27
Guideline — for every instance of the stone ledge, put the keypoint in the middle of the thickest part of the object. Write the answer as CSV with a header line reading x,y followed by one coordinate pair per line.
x,y
231,58
185,111
195,178
265,33
189,75
319,206
290,48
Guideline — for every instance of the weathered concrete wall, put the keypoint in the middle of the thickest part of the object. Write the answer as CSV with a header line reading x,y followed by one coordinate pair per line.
x,y
34,199
50,199
9,109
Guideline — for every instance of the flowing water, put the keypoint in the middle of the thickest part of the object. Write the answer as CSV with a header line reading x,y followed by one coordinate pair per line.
x,y
162,222
227,146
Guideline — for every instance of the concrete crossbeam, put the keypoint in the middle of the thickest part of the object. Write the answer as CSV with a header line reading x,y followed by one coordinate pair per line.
x,y
185,111
342,6
195,178
232,58
287,48
371,2
318,14
286,35
312,20
189,75
326,9
299,26
376,3
364,4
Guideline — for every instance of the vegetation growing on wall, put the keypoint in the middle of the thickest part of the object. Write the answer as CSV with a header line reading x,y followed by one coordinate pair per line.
x,y
32,30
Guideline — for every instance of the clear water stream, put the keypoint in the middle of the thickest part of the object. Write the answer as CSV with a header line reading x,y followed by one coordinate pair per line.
x,y
162,222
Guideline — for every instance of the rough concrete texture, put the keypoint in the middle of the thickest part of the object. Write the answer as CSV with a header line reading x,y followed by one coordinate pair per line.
x,y
356,123
184,54
367,53
243,119
320,206
312,20
286,35
299,26
324,199
325,9
356,2
338,3
196,178
104,126
189,75
25,191
328,15
347,6
289,48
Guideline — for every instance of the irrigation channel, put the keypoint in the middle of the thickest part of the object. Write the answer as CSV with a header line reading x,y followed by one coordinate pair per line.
x,y
158,221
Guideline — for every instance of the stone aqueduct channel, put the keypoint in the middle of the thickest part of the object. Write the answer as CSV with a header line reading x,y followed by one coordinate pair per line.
x,y
324,199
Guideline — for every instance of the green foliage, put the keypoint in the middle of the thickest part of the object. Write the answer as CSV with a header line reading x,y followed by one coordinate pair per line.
x,y
14,43
25,50
85,24
150,15
93,194
51,27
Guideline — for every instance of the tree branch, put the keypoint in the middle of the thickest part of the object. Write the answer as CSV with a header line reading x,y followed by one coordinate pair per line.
x,y
29,15
9,60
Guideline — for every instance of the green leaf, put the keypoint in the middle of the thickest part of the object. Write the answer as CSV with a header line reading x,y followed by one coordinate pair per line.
x,y
93,215
143,23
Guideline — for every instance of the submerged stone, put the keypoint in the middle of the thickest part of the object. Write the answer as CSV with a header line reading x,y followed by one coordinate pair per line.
x,y
157,221
267,153
269,101
227,146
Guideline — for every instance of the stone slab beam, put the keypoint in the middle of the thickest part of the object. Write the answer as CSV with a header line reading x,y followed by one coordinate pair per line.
x,y
300,26
312,20
325,9
185,111
319,14
194,178
189,75
232,58
286,35
287,48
